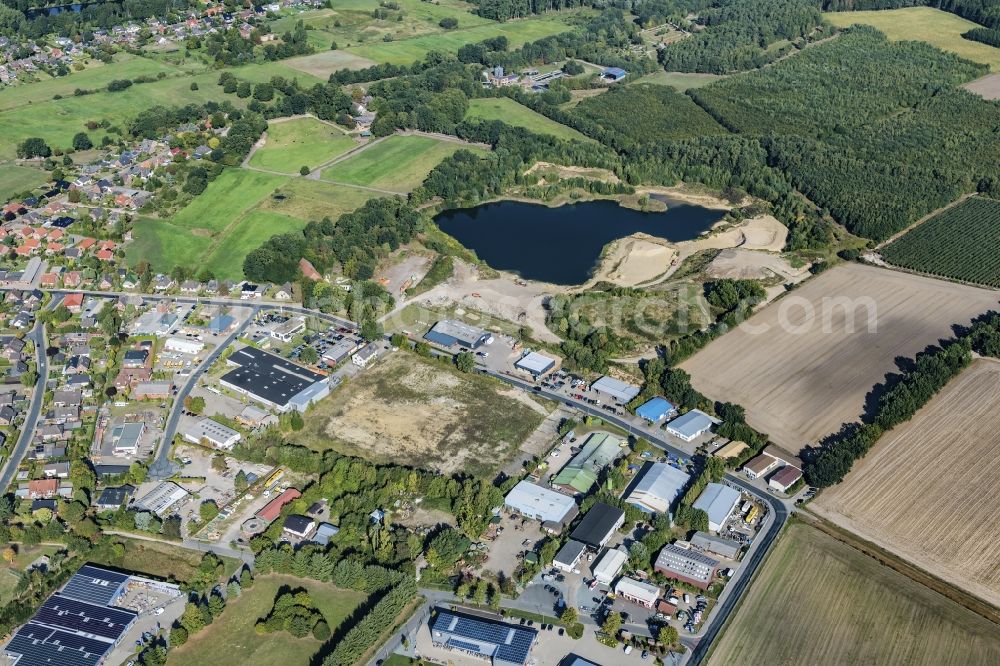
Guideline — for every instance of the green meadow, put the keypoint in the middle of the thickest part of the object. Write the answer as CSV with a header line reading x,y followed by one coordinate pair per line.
x,y
293,144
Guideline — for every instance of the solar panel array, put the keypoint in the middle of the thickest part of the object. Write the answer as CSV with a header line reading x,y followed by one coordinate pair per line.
x,y
513,643
94,585
75,627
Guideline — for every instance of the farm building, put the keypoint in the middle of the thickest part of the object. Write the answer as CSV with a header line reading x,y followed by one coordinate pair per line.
x,y
613,74
217,435
657,488
714,544
598,526
617,390
686,565
785,478
760,466
161,498
718,501
449,333
655,410
542,504
690,426
273,381
580,474
535,364
497,642
568,556
184,345
609,565
637,592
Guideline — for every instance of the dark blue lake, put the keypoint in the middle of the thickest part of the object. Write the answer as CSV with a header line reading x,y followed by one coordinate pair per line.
x,y
563,245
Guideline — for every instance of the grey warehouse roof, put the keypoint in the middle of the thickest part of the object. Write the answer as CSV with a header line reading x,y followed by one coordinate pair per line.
x,y
658,487
618,390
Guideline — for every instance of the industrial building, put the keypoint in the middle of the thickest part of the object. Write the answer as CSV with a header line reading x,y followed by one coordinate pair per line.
x,y
273,381
581,473
184,345
125,438
718,501
497,642
609,565
214,433
449,333
655,410
77,626
686,565
599,525
547,506
615,389
341,350
637,592
690,426
288,329
161,498
715,544
785,478
568,556
535,364
760,466
658,486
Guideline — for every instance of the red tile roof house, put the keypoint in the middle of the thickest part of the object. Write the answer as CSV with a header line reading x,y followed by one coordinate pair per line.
x,y
73,302
105,255
43,488
49,280
107,245
56,234
71,279
54,248
24,250
86,243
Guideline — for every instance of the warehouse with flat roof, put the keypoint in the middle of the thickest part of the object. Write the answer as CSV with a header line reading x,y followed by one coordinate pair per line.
x,y
637,592
535,364
716,544
690,426
718,501
609,565
685,565
497,642
272,380
450,332
161,498
599,525
569,555
658,486
542,504
217,435
615,389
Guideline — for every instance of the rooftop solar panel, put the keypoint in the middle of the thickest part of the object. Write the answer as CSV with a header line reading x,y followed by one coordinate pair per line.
x,y
37,653
73,615
508,643
95,585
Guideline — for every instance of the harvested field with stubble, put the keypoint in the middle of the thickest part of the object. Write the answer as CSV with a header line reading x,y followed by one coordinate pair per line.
x,y
410,410
927,491
804,365
818,601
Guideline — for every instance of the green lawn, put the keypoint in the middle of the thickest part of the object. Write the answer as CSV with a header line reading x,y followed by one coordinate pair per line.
x,y
300,142
680,80
10,573
938,28
232,641
512,113
251,232
398,163
15,179
518,32
313,199
234,192
161,560
325,63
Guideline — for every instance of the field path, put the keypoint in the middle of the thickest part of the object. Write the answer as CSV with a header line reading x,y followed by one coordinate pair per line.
x,y
934,213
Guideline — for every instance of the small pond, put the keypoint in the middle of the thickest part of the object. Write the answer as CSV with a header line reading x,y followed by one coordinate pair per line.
x,y
563,245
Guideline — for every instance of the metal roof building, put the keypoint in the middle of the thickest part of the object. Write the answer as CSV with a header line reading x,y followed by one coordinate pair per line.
x,y
598,525
655,410
613,388
449,332
568,555
690,425
535,364
216,434
499,643
161,498
609,565
540,503
580,474
718,501
785,478
715,544
269,379
637,592
658,486
686,565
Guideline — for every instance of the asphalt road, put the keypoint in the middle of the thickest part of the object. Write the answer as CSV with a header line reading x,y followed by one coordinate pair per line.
x,y
28,427
161,467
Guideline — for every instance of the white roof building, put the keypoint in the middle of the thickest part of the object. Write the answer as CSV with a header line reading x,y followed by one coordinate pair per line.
x,y
216,434
690,426
161,498
615,389
637,592
609,565
541,503
184,345
535,364
718,501
658,487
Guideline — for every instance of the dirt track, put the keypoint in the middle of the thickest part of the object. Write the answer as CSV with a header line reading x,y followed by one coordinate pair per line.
x,y
802,367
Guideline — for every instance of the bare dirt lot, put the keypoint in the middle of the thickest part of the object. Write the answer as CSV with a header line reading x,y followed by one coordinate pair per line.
x,y
804,365
928,490
415,411
988,86
741,264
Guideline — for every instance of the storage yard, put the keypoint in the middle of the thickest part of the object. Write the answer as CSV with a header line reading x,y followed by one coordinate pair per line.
x,y
804,365
928,490
818,601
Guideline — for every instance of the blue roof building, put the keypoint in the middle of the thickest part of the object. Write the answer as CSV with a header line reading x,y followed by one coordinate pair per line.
x,y
655,410
499,643
613,74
